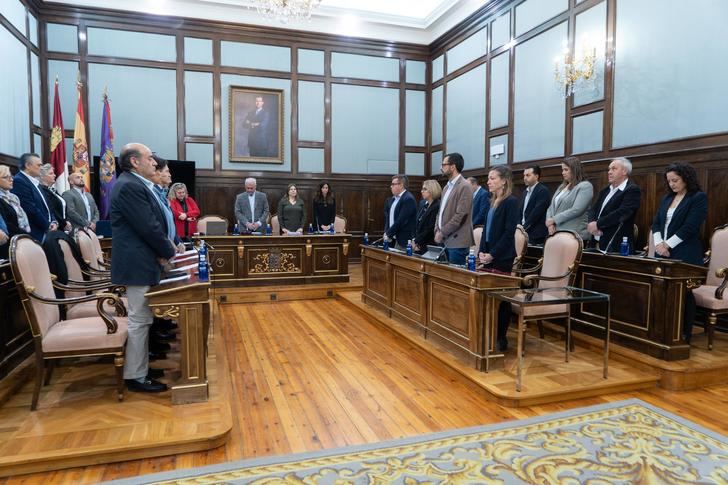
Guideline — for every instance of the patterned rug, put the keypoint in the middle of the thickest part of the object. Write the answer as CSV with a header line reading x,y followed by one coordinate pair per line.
x,y
623,442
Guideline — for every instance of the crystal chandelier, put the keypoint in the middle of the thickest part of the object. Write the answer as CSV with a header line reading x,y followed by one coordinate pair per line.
x,y
575,72
286,11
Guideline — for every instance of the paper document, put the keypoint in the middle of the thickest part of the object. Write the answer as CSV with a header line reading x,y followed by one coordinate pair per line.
x,y
176,278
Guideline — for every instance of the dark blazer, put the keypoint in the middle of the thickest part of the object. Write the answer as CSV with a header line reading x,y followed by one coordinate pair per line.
x,y
405,218
324,215
33,204
502,245
425,227
689,215
481,204
140,235
11,220
535,213
55,205
621,209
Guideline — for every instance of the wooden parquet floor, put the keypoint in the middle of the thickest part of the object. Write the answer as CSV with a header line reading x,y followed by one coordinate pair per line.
x,y
311,375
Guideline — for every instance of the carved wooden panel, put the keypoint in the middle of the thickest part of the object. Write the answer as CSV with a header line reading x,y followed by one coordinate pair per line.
x,y
449,312
407,293
222,261
273,260
376,278
326,260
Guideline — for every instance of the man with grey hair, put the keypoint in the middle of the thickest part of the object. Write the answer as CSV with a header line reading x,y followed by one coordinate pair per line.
x,y
611,218
56,203
251,207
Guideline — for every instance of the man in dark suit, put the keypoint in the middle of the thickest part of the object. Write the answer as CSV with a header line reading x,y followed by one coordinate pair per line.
x,y
481,202
258,124
611,218
55,202
533,206
25,186
400,213
141,247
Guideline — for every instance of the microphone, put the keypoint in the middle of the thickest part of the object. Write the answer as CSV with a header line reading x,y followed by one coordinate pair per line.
x,y
609,244
377,241
439,255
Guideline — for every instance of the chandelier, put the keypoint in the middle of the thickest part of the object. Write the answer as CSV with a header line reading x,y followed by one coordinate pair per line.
x,y
286,11
575,72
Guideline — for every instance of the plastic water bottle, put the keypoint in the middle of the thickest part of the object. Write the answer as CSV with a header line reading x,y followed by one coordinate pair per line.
x,y
409,247
268,229
331,229
203,272
385,244
471,260
236,230
365,241
310,228
624,247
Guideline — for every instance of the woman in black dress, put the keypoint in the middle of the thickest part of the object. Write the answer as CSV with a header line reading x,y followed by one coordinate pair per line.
x,y
427,216
324,207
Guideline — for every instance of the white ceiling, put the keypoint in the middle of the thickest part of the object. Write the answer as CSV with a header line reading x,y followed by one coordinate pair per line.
x,y
415,21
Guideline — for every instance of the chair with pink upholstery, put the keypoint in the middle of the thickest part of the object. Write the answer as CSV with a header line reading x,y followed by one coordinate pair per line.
x,y
100,258
477,235
202,222
275,226
557,268
710,295
339,224
521,239
54,339
94,269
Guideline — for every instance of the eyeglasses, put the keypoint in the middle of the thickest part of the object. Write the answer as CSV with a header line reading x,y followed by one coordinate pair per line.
x,y
7,177
396,183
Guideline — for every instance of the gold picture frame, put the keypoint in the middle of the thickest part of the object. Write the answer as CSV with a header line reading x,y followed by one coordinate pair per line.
x,y
256,125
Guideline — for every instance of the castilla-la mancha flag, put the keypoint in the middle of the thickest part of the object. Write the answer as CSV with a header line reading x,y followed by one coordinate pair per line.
x,y
80,148
58,147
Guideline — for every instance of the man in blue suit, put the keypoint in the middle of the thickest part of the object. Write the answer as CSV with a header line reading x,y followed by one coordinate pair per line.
x,y
533,206
400,213
141,247
258,123
25,186
481,202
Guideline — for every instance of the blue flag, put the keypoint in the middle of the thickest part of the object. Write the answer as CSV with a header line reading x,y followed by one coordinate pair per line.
x,y
107,167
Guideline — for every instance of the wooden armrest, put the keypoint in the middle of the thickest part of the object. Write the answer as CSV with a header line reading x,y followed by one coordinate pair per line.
x,y
95,272
100,298
86,286
721,273
528,280
706,258
105,265
522,271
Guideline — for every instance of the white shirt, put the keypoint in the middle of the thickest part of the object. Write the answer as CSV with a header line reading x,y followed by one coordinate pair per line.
x,y
391,209
36,182
529,191
612,190
445,197
251,201
85,202
476,191
673,240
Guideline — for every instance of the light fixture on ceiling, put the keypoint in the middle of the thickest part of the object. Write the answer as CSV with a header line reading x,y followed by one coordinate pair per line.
x,y
578,71
286,11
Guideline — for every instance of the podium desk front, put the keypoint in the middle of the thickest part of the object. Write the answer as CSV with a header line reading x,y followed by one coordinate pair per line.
x,y
444,303
253,260
188,302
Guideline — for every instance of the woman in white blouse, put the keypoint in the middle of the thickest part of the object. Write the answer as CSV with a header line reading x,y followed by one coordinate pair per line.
x,y
570,204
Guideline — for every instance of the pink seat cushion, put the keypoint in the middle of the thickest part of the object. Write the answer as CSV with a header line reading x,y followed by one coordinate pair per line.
x,y
541,311
705,298
88,309
84,333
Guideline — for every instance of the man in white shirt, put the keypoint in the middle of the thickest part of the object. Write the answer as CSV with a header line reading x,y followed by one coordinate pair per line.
x,y
81,208
251,207
454,226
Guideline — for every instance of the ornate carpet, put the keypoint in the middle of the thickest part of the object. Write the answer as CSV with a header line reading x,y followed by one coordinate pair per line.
x,y
625,442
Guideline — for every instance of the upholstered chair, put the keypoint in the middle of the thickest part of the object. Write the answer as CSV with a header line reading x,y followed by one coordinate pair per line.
x,y
53,338
100,258
202,222
339,224
477,235
93,268
710,295
521,239
275,226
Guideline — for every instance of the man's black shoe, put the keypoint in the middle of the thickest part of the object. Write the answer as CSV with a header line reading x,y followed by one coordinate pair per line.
x,y
162,335
155,373
157,356
159,347
149,385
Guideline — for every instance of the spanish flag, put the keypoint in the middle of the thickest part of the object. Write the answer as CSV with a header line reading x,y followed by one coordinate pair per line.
x,y
80,148
58,146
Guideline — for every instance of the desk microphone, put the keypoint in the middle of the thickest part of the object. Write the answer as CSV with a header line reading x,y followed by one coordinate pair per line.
x,y
609,244
377,241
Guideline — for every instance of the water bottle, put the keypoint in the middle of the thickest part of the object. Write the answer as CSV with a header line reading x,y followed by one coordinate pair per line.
x,y
203,272
331,229
409,247
236,230
310,228
365,241
471,260
624,247
385,244
268,229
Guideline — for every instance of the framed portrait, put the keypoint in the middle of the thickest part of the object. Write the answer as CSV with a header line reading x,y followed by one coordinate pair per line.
x,y
256,125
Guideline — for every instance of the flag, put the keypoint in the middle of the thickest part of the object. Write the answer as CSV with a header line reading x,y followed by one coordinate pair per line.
x,y
58,146
80,149
107,166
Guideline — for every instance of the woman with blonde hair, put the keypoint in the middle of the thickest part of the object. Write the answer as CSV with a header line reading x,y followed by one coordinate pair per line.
x,y
427,216
570,204
184,210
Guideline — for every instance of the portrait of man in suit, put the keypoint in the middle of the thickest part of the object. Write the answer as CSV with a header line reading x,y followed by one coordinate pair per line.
x,y
255,125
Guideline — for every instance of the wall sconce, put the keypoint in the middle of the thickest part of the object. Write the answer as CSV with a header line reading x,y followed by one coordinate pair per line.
x,y
576,72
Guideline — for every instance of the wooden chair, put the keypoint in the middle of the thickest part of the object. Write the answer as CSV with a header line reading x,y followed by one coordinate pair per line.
x,y
477,235
710,295
275,227
557,268
94,268
54,338
521,239
102,263
339,224
202,222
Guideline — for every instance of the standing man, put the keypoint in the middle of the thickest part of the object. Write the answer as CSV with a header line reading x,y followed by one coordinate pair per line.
x,y
141,247
25,186
400,213
481,202
80,206
533,206
55,202
612,216
166,179
258,124
454,226
251,207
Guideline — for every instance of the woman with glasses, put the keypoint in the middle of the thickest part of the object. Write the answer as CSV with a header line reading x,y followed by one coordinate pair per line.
x,y
12,214
427,216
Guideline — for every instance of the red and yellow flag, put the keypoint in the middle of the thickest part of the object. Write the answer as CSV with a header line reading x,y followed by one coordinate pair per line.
x,y
80,148
58,146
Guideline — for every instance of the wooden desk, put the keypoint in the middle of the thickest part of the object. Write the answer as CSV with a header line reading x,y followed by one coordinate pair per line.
x,y
446,304
188,302
278,260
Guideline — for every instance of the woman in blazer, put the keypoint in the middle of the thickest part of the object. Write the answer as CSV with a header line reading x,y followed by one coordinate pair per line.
x,y
291,212
427,216
497,245
569,209
184,209
676,227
